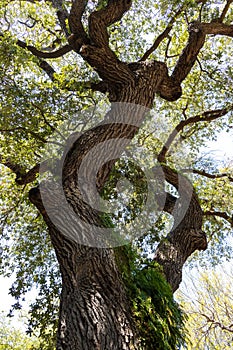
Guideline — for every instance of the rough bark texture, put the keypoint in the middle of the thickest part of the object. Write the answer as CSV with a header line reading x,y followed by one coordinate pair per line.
x,y
95,312
186,235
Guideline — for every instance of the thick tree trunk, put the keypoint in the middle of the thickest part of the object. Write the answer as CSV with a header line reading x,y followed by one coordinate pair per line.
x,y
95,311
94,308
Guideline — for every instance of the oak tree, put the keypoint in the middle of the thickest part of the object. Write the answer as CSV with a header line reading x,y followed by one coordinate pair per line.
x,y
58,58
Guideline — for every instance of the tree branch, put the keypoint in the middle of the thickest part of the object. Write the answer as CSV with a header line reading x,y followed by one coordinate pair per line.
x,y
226,8
16,168
217,28
161,37
78,36
210,176
189,55
217,323
186,235
24,177
197,35
220,214
100,20
62,14
96,50
207,116
55,54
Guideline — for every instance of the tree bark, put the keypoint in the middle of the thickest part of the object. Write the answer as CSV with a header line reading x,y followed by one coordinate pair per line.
x,y
186,235
95,310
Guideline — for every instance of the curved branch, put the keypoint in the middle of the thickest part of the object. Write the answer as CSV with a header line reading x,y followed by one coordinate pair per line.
x,y
197,35
100,20
210,176
189,55
224,11
207,116
161,37
186,235
220,214
55,54
79,36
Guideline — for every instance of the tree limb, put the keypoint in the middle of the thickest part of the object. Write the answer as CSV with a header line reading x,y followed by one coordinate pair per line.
x,y
226,8
161,37
189,55
207,116
197,35
24,177
100,20
217,323
186,235
62,14
16,168
78,36
220,214
55,54
210,176
217,28
46,68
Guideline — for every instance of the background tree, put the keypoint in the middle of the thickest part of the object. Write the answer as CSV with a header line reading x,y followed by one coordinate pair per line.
x,y
12,338
209,310
57,59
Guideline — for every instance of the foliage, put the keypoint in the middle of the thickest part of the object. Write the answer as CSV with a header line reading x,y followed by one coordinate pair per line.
x,y
159,320
33,109
12,338
208,303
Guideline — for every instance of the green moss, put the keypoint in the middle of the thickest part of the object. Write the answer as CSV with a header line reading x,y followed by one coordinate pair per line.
x,y
157,316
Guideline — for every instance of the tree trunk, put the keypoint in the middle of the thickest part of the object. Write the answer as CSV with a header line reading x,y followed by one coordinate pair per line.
x,y
94,310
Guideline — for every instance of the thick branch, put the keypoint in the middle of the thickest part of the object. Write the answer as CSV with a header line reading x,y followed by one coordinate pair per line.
x,y
47,68
24,177
186,235
100,20
226,8
189,55
197,34
16,168
207,116
79,36
217,28
55,54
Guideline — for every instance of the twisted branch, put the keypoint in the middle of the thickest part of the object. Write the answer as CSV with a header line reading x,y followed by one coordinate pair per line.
x,y
207,116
